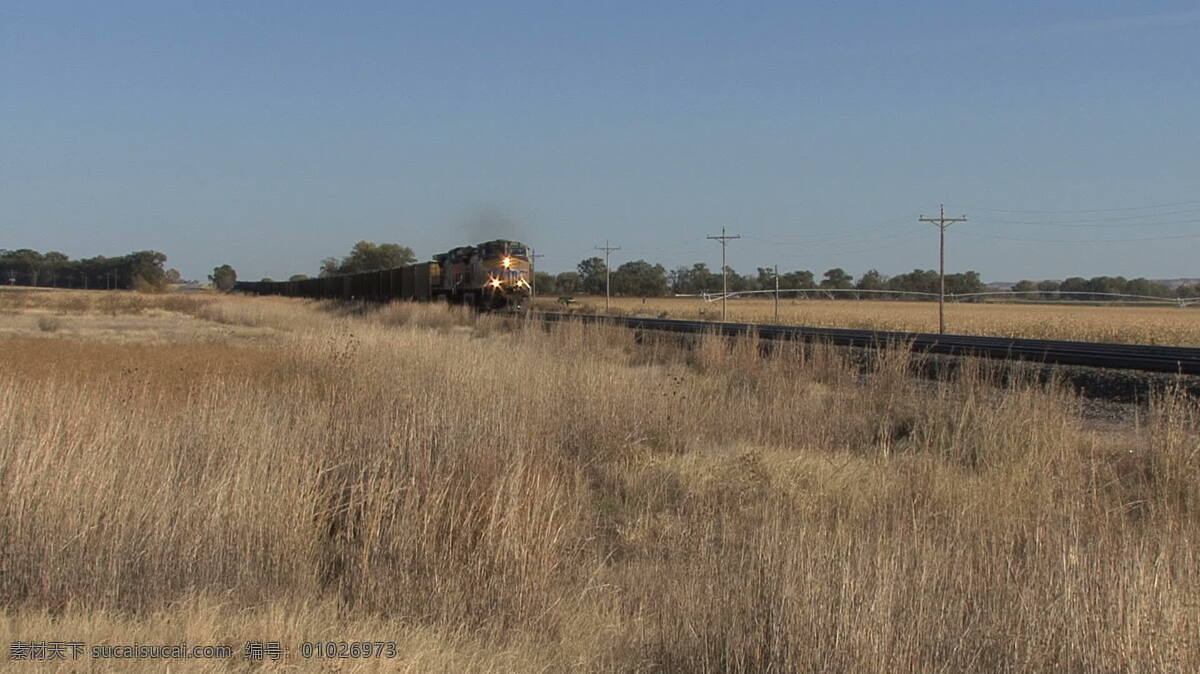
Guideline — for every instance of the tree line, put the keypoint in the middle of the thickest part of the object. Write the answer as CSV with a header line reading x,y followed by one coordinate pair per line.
x,y
642,279
1100,287
139,270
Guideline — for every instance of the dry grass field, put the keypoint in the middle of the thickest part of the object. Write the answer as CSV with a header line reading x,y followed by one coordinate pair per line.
x,y
1160,324
493,497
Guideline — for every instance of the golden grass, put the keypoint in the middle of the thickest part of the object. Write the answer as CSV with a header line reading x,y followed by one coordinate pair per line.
x,y
1092,323
493,497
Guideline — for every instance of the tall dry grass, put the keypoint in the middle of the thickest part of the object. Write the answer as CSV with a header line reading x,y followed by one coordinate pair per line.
x,y
497,497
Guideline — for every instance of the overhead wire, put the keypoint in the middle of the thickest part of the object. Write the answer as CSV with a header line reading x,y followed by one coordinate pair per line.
x,y
1086,210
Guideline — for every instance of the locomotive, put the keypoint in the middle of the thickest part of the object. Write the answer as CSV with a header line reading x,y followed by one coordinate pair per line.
x,y
492,275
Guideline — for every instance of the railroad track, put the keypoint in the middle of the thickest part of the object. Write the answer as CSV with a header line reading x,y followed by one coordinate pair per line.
x,y
1134,357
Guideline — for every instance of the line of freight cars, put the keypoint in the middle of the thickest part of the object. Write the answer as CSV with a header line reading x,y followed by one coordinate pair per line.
x,y
490,275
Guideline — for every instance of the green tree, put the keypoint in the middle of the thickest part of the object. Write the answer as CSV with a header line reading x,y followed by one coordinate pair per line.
x,y
797,280
964,283
736,282
1048,288
916,281
53,263
837,278
543,283
699,278
144,270
591,275
329,267
640,279
1148,288
1075,284
223,278
567,282
367,256
298,277
1024,286
871,280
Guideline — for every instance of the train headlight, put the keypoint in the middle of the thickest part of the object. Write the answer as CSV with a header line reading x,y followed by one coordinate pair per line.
x,y
495,282
507,262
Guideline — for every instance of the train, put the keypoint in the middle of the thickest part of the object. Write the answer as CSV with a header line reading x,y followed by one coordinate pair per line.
x,y
494,275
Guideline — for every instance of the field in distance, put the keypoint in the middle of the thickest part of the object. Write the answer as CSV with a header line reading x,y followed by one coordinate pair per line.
x,y
1161,324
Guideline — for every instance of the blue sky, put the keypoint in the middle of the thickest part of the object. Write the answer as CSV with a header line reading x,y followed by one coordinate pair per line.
x,y
269,135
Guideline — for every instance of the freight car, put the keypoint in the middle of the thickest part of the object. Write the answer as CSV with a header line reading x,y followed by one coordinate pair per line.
x,y
491,275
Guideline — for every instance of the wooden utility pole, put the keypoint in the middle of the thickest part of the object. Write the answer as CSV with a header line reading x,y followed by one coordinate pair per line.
x,y
533,275
942,223
607,270
777,294
724,275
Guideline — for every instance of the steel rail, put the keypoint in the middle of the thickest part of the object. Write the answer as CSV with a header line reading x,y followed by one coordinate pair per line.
x,y
1138,357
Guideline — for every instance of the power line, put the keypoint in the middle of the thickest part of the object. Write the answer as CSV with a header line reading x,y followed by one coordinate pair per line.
x,y
1089,210
1120,219
942,223
1137,240
724,270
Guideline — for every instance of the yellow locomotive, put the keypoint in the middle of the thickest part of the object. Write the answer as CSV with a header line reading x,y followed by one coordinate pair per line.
x,y
493,274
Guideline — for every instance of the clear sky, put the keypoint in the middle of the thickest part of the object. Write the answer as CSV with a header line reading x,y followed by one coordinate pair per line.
x,y
269,135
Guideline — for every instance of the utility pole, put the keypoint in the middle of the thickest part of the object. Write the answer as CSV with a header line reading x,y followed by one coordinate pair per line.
x,y
776,294
942,223
533,276
607,270
724,274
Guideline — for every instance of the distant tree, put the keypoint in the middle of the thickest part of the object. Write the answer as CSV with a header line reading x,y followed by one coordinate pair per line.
x,y
567,282
640,279
144,269
871,280
1148,288
964,283
797,280
1048,289
916,281
53,263
223,278
172,276
1106,285
1075,284
266,279
367,256
543,283
697,279
764,278
837,278
736,282
329,267
29,265
1023,286
298,277
1187,291
591,275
